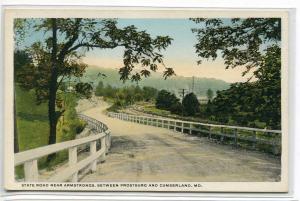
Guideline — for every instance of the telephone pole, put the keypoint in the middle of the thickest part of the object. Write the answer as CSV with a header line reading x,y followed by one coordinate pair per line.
x,y
182,93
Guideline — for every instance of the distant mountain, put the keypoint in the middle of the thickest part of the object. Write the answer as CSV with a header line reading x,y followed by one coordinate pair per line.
x,y
173,84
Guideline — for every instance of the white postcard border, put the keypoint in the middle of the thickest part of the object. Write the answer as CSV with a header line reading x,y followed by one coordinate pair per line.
x,y
104,12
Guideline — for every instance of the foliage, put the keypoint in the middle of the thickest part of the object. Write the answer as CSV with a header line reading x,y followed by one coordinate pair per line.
x,y
190,104
84,89
208,108
209,94
168,101
99,89
33,127
238,41
125,96
67,39
68,124
149,93
258,101
75,36
22,63
20,27
177,108
255,44
165,100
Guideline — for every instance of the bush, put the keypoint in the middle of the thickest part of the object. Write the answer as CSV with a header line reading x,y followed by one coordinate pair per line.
x,y
150,93
190,104
176,108
165,100
68,125
99,89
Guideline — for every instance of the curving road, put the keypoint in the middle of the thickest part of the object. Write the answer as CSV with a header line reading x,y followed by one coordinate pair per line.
x,y
142,153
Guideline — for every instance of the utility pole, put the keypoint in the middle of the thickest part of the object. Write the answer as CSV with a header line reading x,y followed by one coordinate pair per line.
x,y
182,94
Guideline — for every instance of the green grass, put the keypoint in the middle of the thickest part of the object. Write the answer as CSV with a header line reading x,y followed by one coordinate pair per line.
x,y
152,109
32,121
33,126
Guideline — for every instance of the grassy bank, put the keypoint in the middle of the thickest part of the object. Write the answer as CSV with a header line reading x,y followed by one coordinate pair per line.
x,y
33,126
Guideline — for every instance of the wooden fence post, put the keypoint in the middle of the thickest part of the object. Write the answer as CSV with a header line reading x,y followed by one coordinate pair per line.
x,y
93,151
182,125
175,125
235,137
103,146
190,131
73,161
222,134
254,140
209,132
31,171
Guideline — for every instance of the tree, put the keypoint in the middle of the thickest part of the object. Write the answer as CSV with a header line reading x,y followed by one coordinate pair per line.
x,y
99,89
149,93
246,103
238,41
253,43
209,94
165,100
66,42
190,104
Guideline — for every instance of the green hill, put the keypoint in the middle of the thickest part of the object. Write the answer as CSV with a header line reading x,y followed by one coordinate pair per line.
x,y
174,84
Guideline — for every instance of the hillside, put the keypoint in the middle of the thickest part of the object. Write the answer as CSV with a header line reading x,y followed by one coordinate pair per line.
x,y
156,80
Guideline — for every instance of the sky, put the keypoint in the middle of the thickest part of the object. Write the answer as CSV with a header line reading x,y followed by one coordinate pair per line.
x,y
180,55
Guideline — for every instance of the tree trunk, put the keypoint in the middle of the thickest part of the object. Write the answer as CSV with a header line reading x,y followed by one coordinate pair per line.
x,y
52,90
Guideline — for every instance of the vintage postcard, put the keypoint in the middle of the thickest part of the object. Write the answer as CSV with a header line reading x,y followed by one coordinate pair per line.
x,y
146,99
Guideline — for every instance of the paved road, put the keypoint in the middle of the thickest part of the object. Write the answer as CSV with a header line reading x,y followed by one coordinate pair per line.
x,y
142,153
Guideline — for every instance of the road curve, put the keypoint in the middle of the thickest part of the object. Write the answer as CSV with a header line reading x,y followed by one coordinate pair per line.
x,y
142,153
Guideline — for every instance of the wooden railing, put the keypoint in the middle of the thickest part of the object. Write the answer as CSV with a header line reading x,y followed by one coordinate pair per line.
x,y
30,157
235,134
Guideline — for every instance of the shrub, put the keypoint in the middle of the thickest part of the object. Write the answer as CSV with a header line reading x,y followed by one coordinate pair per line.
x,y
165,100
176,108
190,104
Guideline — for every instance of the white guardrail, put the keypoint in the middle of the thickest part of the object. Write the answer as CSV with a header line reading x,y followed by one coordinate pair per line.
x,y
30,157
215,131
